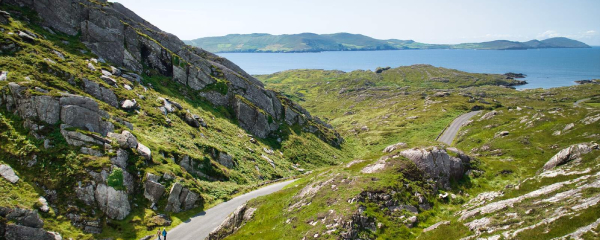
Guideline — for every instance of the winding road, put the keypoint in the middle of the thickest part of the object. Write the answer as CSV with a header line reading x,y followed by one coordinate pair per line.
x,y
578,102
199,226
450,133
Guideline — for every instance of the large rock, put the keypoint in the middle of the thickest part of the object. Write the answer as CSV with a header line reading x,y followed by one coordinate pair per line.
x,y
44,108
226,160
153,190
7,173
83,112
438,165
86,194
253,119
17,232
125,140
232,223
144,151
79,139
121,159
23,217
112,202
393,147
181,199
568,154
99,92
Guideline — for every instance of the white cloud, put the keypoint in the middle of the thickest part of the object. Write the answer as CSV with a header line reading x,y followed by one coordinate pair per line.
x,y
590,34
548,34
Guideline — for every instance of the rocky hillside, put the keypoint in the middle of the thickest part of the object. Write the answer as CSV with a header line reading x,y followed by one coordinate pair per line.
x,y
526,167
111,127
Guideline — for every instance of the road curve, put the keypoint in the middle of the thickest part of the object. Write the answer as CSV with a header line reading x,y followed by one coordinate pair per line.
x,y
199,226
578,102
450,133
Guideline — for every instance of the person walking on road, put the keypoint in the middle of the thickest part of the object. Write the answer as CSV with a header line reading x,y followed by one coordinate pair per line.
x,y
158,234
164,234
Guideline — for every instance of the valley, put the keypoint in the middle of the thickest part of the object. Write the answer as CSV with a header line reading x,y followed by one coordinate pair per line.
x,y
111,128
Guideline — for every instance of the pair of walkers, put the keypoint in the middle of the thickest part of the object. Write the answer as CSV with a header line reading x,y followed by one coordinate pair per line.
x,y
163,234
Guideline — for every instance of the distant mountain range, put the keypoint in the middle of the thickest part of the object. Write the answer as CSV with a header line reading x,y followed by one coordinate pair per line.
x,y
311,42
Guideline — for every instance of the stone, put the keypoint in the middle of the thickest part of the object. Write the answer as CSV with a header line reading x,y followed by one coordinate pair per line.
x,y
568,154
115,71
125,140
91,67
43,204
441,94
86,194
489,115
29,218
106,73
100,92
27,37
91,152
121,159
436,226
3,75
392,148
129,105
78,139
190,120
83,112
113,203
127,87
7,173
153,190
437,164
152,177
502,134
17,232
108,80
226,160
233,222
144,151
173,202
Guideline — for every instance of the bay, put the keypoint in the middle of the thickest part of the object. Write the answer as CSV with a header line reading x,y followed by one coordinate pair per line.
x,y
545,68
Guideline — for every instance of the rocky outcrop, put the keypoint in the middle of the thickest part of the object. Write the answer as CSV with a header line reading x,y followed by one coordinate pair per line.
x,y
393,147
569,154
121,37
73,110
438,165
181,199
126,139
7,173
24,225
232,223
100,92
113,203
153,190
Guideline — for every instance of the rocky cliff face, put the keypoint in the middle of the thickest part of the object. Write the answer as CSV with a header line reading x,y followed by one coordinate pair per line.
x,y
121,37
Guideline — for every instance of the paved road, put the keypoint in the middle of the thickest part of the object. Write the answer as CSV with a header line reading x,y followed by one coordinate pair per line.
x,y
450,133
199,226
576,104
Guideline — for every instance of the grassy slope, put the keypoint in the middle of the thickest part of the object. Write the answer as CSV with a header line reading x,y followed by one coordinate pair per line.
x,y
310,42
61,167
380,103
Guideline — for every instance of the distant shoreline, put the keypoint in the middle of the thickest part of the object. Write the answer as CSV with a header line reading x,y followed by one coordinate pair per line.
x,y
411,49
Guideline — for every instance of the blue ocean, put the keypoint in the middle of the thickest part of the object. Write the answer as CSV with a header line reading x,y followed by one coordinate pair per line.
x,y
545,68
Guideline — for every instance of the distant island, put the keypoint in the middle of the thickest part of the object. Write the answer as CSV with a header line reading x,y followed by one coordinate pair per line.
x,y
311,42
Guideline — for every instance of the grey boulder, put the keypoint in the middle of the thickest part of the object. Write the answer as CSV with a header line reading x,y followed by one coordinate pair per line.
x,y
144,151
7,173
112,202
568,154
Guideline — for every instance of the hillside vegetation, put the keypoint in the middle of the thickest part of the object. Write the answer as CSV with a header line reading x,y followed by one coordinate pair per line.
x,y
93,147
311,42
508,185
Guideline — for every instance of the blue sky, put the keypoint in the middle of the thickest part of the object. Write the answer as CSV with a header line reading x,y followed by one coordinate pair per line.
x,y
426,21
